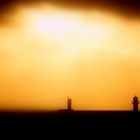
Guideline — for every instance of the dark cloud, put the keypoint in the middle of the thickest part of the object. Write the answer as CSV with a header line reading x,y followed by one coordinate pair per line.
x,y
129,8
133,4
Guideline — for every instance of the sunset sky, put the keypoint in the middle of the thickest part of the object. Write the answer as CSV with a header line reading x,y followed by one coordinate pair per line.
x,y
53,50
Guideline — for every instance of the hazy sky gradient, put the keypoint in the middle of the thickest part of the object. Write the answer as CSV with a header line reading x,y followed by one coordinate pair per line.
x,y
49,52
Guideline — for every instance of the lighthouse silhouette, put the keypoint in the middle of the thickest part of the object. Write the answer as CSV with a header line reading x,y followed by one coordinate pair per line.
x,y
135,103
69,104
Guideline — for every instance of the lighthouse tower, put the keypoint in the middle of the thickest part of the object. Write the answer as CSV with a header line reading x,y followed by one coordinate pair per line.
x,y
135,103
69,104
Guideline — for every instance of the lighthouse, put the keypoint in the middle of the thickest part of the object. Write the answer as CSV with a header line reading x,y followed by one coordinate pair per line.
x,y
69,104
135,103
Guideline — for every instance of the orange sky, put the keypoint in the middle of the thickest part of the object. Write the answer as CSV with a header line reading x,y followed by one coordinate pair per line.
x,y
48,54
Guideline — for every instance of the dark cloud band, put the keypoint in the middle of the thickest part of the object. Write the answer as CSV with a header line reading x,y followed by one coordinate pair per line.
x,y
128,3
130,8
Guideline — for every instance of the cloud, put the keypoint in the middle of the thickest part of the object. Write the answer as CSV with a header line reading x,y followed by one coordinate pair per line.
x,y
129,8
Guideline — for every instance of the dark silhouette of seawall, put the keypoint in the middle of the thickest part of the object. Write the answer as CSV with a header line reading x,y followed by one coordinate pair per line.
x,y
69,120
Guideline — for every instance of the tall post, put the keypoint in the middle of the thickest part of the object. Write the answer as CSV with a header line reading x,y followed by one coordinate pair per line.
x,y
69,104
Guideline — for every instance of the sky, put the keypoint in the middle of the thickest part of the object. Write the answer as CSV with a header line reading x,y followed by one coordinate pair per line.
x,y
54,50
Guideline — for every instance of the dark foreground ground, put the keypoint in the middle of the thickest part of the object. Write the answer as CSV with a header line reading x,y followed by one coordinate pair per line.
x,y
81,123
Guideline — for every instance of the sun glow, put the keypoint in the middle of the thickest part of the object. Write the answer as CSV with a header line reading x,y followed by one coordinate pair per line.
x,y
73,32
60,25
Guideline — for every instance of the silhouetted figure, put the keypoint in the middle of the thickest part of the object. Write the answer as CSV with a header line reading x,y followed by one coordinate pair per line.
x,y
69,104
135,103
